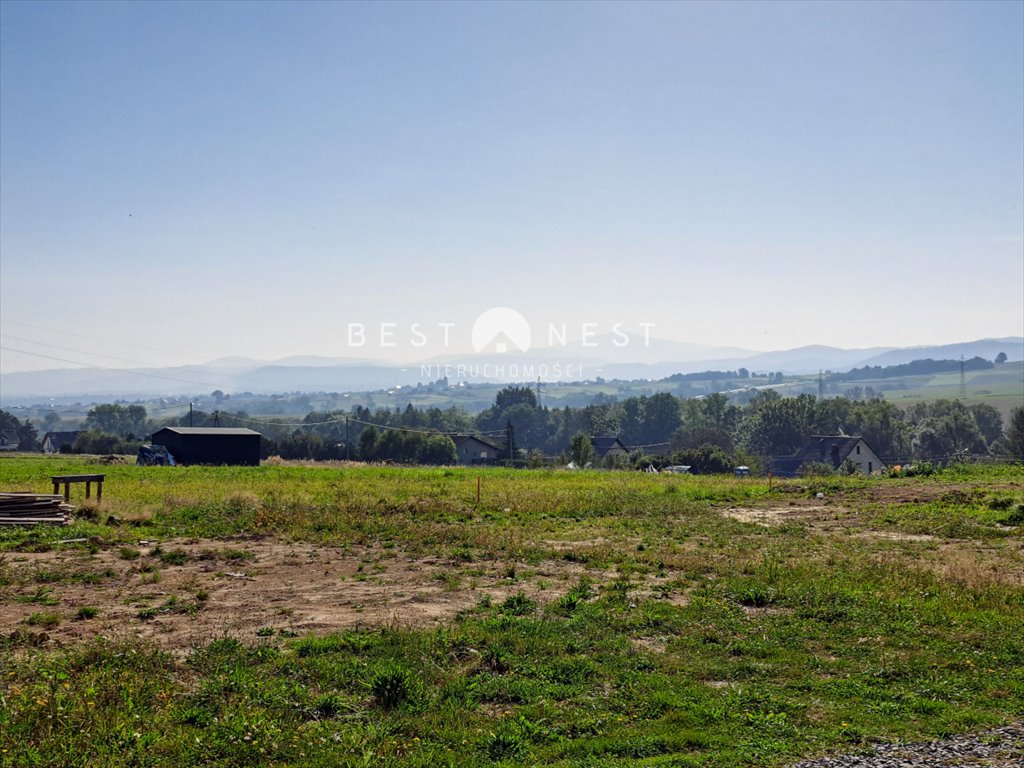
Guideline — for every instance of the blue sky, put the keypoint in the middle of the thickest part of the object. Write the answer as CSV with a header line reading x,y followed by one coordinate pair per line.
x,y
184,181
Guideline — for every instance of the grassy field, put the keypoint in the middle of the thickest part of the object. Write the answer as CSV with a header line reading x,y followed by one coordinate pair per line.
x,y
225,616
1001,387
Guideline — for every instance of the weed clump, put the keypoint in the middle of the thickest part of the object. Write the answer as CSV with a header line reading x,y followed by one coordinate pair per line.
x,y
497,658
575,597
44,620
329,705
393,686
505,745
518,605
755,596
174,557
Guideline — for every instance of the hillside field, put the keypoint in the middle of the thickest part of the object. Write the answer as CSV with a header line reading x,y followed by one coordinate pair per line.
x,y
1001,387
344,615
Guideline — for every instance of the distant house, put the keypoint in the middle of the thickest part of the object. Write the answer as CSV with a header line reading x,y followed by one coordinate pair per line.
x,y
832,450
471,449
608,446
8,442
210,445
53,442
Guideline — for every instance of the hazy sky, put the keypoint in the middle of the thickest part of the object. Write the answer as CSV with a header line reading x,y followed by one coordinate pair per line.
x,y
184,181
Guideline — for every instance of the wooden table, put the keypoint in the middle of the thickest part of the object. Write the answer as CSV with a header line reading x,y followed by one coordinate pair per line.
x,y
67,480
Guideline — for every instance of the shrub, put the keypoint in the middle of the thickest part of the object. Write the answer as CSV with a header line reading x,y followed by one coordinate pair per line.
x,y
815,469
97,441
1001,503
1016,517
706,459
920,469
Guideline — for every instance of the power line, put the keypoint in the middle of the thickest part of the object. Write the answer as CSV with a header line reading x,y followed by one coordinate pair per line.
x,y
107,368
93,338
78,351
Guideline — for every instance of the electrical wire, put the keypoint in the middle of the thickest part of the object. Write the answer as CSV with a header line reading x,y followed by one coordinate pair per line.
x,y
31,326
107,368
78,351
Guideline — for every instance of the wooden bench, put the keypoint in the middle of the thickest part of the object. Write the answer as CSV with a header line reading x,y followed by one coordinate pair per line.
x,y
67,480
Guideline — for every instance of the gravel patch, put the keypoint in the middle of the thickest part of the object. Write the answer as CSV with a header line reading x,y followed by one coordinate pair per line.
x,y
998,748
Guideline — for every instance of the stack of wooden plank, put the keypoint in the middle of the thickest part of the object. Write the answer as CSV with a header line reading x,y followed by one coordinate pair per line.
x,y
34,509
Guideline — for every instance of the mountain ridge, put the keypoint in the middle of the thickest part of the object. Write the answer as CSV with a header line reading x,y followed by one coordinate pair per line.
x,y
316,373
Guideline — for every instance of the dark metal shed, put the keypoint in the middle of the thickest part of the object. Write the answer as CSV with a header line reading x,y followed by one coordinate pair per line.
x,y
211,445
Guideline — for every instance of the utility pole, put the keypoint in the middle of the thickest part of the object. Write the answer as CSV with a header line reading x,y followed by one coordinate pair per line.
x,y
348,444
963,379
510,436
190,414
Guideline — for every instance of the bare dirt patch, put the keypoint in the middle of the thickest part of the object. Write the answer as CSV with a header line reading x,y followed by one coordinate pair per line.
x,y
248,587
779,515
902,492
895,536
650,644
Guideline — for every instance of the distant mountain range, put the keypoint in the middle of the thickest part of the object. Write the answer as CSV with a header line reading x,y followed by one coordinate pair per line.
x,y
655,360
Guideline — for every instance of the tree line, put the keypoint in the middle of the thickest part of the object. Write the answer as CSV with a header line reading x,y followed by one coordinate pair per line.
x,y
914,368
653,427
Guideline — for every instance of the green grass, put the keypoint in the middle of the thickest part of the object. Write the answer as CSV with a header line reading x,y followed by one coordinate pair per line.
x,y
864,653
593,518
44,619
755,646
425,509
